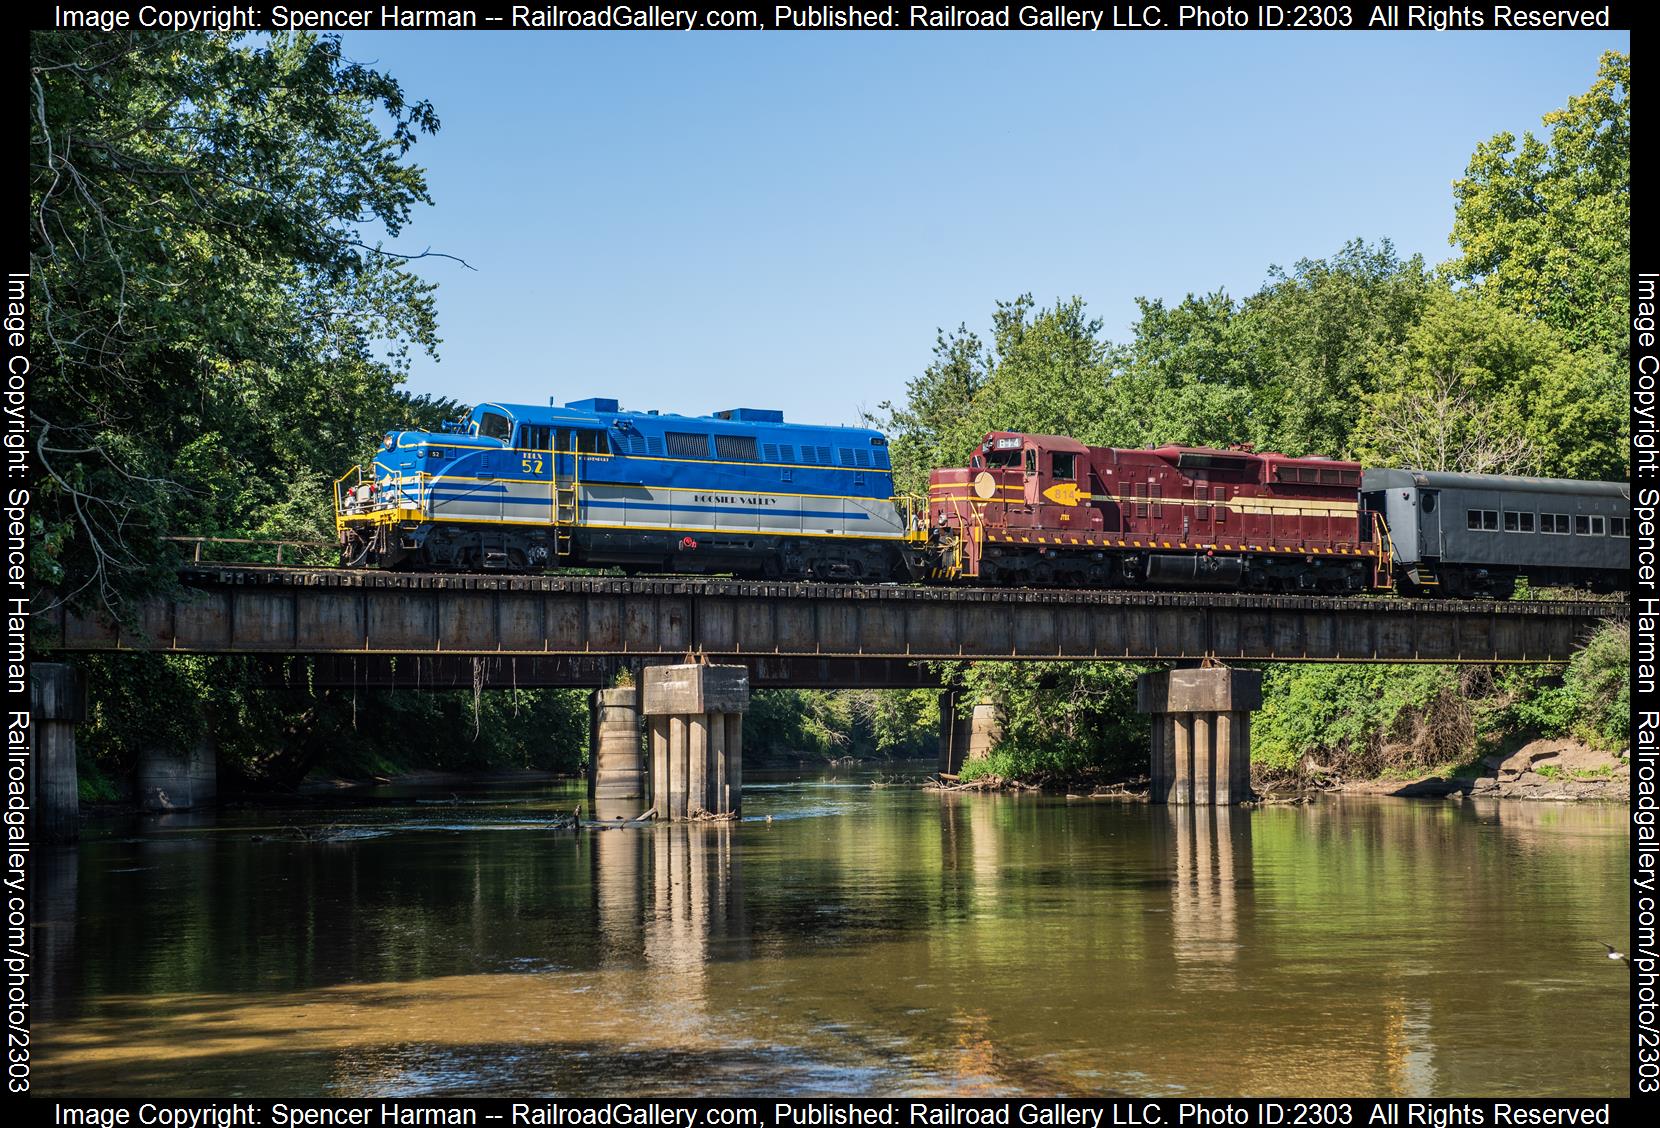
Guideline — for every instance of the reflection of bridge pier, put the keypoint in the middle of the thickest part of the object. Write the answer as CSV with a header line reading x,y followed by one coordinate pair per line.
x,y
1212,864
696,902
53,914
666,897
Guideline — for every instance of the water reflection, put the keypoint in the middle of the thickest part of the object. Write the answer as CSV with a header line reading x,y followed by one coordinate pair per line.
x,y
1212,872
858,940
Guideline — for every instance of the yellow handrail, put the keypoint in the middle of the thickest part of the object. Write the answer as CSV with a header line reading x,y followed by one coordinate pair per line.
x,y
1383,576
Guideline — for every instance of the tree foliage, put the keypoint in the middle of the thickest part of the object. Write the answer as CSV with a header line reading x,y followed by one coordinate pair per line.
x,y
217,324
1045,371
269,732
1544,224
1478,388
788,725
1061,719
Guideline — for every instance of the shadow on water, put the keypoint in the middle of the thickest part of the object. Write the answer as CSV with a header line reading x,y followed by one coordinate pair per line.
x,y
840,940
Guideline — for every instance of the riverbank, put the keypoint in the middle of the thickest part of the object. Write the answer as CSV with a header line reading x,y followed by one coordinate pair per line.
x,y
1541,769
1559,769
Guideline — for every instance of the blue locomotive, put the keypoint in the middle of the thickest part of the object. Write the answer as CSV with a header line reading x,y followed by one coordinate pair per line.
x,y
517,487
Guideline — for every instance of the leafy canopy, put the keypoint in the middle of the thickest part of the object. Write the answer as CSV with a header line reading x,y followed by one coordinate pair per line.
x,y
1544,224
217,322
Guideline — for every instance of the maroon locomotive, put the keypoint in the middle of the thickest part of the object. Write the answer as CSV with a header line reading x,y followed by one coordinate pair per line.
x,y
1048,510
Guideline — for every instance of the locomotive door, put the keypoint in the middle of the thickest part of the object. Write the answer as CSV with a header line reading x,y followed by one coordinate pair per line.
x,y
564,489
1034,483
1429,523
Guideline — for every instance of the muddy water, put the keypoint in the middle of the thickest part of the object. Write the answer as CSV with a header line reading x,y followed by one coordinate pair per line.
x,y
840,939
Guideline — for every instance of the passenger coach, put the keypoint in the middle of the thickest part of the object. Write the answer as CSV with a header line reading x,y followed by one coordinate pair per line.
x,y
1462,535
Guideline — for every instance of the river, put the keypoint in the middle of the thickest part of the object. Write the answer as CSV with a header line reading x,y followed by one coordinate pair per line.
x,y
843,938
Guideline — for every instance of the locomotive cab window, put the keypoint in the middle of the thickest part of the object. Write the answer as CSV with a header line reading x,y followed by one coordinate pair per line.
x,y
1031,461
493,426
1063,467
534,438
591,442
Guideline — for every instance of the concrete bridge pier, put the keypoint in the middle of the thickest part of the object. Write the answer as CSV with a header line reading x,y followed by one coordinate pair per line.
x,y
985,729
57,702
617,771
954,733
1201,741
696,718
967,738
172,779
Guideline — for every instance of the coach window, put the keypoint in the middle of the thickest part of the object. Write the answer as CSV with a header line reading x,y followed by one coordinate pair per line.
x,y
1598,526
1525,520
1483,519
1510,523
1618,527
1582,524
1555,524
1063,467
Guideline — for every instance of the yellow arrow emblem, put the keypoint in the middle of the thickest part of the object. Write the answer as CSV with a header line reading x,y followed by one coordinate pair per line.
x,y
1064,493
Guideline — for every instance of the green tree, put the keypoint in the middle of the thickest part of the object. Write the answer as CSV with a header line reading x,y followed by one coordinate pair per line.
x,y
1186,376
1061,719
932,427
1322,337
216,319
1479,388
1045,371
1544,224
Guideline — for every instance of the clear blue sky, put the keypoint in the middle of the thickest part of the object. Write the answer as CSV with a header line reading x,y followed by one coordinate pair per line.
x,y
698,221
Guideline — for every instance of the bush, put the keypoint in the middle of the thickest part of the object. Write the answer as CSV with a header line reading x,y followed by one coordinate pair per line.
x,y
1060,719
1599,677
1360,719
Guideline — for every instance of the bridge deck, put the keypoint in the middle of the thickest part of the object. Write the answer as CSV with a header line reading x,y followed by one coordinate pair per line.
x,y
244,609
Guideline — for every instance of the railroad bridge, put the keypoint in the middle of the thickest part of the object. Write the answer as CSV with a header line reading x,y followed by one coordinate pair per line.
x,y
435,631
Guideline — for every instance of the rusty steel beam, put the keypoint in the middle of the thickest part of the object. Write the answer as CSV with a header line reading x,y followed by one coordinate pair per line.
x,y
542,671
336,611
